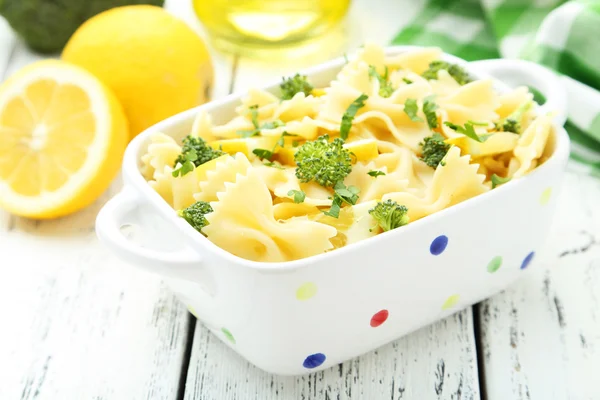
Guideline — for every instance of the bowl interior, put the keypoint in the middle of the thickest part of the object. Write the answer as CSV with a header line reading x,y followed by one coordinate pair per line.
x,y
222,110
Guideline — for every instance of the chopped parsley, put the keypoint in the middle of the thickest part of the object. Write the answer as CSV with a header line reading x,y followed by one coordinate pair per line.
x,y
342,194
299,196
429,107
468,130
350,113
385,86
411,108
263,153
268,154
498,180
456,71
375,173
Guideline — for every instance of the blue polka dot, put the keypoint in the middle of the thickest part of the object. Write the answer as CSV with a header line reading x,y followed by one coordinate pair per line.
x,y
438,245
314,360
527,260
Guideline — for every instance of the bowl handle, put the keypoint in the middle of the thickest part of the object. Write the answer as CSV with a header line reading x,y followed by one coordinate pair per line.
x,y
184,263
520,72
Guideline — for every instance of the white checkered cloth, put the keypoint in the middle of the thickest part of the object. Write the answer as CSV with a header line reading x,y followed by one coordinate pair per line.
x,y
562,35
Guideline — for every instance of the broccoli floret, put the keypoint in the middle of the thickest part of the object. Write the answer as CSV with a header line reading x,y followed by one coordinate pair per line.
x,y
456,71
291,86
323,162
512,123
195,215
46,26
389,215
433,150
194,153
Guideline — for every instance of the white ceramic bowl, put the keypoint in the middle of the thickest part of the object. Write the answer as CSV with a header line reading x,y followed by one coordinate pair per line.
x,y
296,317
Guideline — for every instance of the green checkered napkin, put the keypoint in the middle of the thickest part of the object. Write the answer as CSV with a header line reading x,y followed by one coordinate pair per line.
x,y
562,35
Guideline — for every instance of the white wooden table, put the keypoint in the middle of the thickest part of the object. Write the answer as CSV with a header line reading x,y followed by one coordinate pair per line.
x,y
79,324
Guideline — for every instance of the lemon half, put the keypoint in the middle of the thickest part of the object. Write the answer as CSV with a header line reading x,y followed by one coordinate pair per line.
x,y
62,138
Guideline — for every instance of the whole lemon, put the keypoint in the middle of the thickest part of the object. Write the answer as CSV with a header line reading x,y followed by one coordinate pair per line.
x,y
155,64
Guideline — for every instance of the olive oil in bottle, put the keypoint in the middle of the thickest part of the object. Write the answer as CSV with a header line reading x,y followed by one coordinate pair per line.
x,y
238,25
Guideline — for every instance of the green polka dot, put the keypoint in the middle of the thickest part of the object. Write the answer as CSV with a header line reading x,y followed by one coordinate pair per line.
x,y
306,291
451,302
192,311
545,197
228,335
495,264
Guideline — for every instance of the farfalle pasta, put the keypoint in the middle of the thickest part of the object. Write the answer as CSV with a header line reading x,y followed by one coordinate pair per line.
x,y
311,169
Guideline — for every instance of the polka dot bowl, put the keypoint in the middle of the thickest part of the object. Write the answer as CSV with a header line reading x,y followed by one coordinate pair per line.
x,y
298,317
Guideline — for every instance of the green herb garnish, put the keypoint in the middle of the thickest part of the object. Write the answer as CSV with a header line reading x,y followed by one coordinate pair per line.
x,y
385,86
456,71
468,130
299,196
411,108
498,180
350,113
342,194
291,86
429,107
375,174
263,153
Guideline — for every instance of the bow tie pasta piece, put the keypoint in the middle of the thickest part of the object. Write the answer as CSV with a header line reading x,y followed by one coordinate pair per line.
x,y
281,181
531,145
372,188
363,225
452,183
406,132
356,72
298,107
243,223
306,128
475,101
224,171
162,151
353,225
512,100
287,210
163,184
258,97
497,143
202,126
417,60
419,89
184,187
444,85
356,76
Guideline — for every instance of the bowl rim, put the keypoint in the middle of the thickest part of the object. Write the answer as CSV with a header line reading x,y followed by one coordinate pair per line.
x,y
133,176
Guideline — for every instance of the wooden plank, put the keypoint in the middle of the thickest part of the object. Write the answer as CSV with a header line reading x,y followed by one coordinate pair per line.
x,y
80,324
541,338
436,362
7,45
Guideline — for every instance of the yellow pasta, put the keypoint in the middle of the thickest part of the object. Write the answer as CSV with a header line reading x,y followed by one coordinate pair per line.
x,y
392,139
